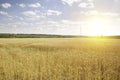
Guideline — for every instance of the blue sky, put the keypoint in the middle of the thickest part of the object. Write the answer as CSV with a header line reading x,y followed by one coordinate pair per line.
x,y
66,17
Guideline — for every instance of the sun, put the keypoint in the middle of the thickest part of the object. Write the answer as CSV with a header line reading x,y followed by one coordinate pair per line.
x,y
97,27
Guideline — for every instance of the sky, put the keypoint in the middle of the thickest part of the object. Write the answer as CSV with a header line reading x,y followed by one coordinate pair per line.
x,y
63,17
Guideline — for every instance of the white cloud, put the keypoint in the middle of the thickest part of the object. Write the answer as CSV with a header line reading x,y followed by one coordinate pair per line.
x,y
35,5
110,14
95,12
53,12
72,22
33,15
6,5
70,2
22,5
29,13
90,0
37,15
3,13
86,5
52,22
116,0
65,21
92,12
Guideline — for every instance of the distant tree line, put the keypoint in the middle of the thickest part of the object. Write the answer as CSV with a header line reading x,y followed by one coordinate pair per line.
x,y
50,36
32,36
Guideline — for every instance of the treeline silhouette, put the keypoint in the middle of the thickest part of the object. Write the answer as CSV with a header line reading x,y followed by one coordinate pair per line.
x,y
51,36
33,36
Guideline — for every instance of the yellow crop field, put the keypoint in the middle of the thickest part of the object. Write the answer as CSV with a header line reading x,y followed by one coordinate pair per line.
x,y
59,59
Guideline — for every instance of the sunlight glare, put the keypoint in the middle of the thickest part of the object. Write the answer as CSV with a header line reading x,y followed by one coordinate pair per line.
x,y
97,27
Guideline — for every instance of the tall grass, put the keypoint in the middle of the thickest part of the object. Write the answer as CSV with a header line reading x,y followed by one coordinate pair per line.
x,y
59,59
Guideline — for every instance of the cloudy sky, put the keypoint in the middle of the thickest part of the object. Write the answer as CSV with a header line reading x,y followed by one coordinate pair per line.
x,y
66,17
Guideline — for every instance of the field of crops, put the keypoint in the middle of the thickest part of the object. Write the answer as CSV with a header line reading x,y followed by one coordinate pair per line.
x,y
59,59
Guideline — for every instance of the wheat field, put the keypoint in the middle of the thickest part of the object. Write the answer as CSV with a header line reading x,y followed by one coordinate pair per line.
x,y
59,59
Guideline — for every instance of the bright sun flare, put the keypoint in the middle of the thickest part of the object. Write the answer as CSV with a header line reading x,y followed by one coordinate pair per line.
x,y
97,27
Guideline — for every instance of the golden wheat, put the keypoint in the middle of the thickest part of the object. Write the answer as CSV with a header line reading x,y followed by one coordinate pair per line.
x,y
59,59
